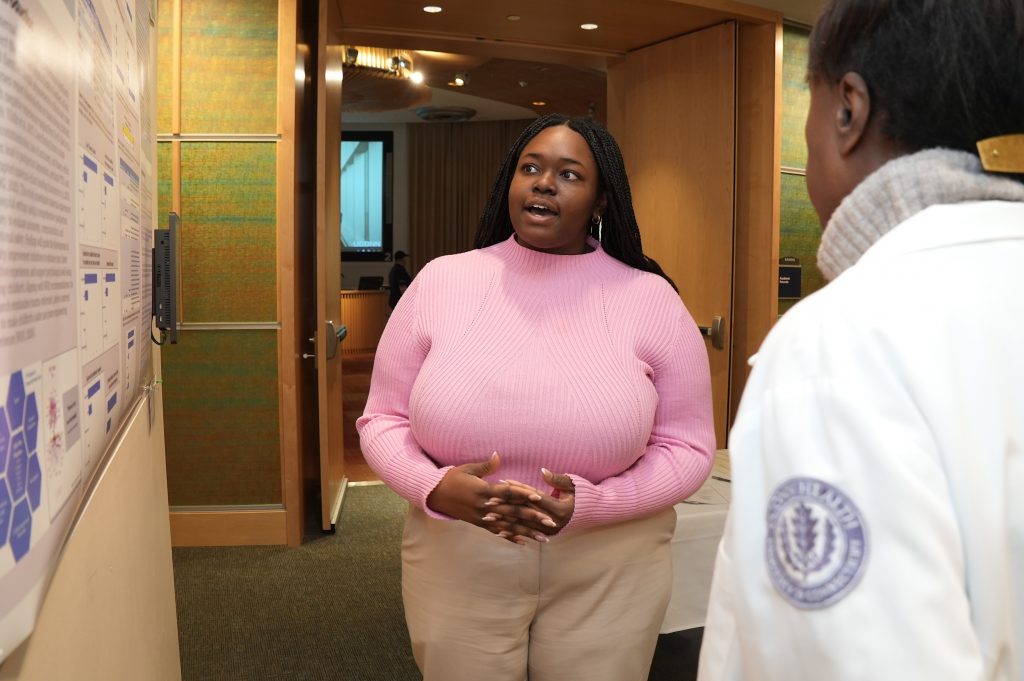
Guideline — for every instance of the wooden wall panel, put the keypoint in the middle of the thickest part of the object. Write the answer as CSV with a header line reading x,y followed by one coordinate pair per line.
x,y
755,304
672,110
364,313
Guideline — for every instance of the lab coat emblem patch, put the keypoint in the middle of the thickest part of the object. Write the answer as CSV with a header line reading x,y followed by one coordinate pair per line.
x,y
817,544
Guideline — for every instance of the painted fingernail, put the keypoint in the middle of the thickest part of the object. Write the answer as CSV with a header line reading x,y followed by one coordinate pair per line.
x,y
549,522
491,502
541,537
504,535
535,497
490,517
545,471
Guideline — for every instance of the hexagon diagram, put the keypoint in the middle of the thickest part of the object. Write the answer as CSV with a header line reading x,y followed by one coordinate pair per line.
x,y
35,481
31,423
5,512
21,530
17,467
16,400
5,440
21,476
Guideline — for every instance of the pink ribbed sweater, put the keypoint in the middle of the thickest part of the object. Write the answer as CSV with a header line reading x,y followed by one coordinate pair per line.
x,y
577,363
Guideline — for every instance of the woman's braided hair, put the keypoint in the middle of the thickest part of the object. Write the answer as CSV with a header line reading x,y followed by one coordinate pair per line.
x,y
619,234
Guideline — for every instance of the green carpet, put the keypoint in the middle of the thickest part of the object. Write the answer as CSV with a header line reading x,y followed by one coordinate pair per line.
x,y
331,609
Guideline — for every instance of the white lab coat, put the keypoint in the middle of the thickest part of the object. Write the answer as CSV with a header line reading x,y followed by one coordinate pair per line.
x,y
899,388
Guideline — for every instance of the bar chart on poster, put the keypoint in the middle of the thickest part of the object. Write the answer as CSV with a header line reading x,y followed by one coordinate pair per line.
x,y
77,214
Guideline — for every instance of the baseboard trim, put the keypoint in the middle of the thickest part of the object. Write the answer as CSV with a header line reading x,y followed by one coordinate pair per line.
x,y
228,528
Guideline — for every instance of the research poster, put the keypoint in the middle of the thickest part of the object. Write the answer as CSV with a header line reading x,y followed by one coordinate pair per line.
x,y
77,213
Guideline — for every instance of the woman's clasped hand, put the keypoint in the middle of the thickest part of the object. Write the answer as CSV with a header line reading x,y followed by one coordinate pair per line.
x,y
510,509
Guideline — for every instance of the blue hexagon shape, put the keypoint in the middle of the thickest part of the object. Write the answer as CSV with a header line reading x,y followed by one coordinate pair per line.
x,y
31,422
16,400
5,512
21,530
17,467
5,439
35,481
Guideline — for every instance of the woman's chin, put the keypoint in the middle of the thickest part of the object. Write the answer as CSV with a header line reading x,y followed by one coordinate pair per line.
x,y
541,239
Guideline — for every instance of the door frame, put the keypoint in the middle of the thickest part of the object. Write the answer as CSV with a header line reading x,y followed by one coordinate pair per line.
x,y
757,192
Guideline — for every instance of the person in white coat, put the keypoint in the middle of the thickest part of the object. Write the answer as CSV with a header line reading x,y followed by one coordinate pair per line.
x,y
877,520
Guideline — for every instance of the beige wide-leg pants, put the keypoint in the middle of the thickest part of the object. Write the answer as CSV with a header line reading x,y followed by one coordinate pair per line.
x,y
586,605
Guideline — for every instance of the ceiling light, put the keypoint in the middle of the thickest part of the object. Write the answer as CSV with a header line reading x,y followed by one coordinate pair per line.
x,y
432,9
461,78
588,27
513,17
539,103
416,77
378,61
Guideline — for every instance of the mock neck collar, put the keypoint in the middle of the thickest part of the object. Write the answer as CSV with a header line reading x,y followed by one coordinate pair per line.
x,y
529,260
899,189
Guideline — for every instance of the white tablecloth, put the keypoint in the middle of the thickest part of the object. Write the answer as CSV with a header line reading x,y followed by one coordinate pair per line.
x,y
700,521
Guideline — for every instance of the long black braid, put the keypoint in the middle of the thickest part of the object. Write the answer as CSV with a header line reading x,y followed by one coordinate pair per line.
x,y
620,235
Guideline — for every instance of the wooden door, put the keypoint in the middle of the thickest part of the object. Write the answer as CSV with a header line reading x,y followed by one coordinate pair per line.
x,y
672,108
328,263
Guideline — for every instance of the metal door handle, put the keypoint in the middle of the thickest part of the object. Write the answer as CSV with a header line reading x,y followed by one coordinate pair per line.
x,y
334,336
716,332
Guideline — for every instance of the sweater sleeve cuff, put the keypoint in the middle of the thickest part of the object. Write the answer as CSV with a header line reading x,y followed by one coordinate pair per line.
x,y
587,498
441,472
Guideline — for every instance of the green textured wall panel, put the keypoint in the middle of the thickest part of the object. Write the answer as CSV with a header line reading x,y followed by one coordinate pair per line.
x,y
796,98
229,66
164,66
800,234
221,413
229,232
164,196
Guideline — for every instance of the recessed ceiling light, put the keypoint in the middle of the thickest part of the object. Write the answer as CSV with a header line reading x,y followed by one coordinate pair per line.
x,y
539,103
513,17
416,77
588,27
432,9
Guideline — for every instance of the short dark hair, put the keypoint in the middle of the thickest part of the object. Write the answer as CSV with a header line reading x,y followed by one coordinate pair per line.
x,y
941,73
620,234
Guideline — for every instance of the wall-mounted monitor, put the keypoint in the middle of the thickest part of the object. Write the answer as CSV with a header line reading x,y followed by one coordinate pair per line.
x,y
165,280
367,162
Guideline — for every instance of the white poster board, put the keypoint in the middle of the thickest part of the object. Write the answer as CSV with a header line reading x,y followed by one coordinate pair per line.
x,y
77,213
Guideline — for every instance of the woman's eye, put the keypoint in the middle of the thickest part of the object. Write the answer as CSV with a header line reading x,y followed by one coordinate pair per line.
x,y
529,168
570,175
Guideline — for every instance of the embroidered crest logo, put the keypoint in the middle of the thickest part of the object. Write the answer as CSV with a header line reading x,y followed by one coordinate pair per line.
x,y
816,547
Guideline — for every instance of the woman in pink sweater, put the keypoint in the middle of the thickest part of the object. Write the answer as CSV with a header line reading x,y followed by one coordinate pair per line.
x,y
542,402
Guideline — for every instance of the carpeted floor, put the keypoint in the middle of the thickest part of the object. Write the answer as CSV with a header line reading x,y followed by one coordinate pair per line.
x,y
331,609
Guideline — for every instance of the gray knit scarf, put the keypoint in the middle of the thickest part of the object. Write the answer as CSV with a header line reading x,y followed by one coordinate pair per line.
x,y
899,189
